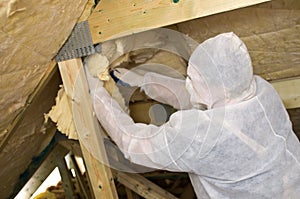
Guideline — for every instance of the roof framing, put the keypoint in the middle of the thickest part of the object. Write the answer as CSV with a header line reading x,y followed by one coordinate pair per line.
x,y
115,18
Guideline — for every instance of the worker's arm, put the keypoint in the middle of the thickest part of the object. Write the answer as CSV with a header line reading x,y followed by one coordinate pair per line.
x,y
159,87
170,146
167,90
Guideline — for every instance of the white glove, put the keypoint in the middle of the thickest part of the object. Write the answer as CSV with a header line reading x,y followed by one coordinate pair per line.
x,y
93,82
124,76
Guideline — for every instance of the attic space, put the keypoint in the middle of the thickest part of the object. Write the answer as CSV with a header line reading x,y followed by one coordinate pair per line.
x,y
118,99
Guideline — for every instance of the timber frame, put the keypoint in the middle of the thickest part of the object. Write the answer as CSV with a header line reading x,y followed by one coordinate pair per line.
x,y
63,148
116,18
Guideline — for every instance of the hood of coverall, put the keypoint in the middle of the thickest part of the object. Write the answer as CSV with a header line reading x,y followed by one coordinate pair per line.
x,y
220,72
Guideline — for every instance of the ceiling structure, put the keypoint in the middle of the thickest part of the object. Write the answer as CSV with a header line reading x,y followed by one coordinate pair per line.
x,y
31,33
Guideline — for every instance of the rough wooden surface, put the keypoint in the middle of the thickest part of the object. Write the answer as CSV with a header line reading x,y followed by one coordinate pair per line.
x,y
46,167
289,91
142,186
87,127
115,18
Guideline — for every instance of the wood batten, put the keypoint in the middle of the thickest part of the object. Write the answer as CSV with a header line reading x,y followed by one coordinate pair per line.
x,y
100,175
115,18
289,91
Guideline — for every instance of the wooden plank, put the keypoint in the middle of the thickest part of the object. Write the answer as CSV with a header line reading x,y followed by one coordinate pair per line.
x,y
136,182
72,145
65,174
289,91
73,76
115,18
142,186
82,185
90,5
41,173
130,194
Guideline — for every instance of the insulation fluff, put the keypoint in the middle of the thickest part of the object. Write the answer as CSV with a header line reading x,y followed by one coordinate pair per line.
x,y
98,66
61,114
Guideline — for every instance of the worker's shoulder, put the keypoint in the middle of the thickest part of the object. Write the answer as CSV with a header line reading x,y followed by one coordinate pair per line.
x,y
263,87
266,94
191,115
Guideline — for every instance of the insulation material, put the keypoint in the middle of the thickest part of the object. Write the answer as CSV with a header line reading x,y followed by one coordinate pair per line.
x,y
61,114
29,138
98,65
270,30
113,54
119,53
31,32
150,112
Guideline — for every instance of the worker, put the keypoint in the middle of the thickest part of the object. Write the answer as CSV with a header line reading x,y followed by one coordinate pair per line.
x,y
241,146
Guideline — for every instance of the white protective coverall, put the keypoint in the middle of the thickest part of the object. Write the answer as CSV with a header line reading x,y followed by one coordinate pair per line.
x,y
242,146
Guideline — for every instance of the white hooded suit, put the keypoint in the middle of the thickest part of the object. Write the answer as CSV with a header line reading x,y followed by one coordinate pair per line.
x,y
242,146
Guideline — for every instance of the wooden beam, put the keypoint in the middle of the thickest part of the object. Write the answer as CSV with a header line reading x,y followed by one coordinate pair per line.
x,y
115,18
80,179
73,77
289,92
142,186
130,194
42,172
135,182
66,175
72,145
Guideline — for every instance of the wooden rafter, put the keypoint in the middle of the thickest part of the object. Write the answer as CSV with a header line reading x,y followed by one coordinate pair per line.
x,y
43,171
142,186
100,175
115,18
133,181
289,92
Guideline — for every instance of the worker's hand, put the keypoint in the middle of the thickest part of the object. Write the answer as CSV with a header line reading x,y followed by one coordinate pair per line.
x,y
126,77
93,82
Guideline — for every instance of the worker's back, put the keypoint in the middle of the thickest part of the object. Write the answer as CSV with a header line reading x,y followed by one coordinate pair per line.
x,y
242,146
256,154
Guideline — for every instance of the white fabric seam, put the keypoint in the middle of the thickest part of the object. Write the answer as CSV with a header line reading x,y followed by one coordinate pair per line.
x,y
280,136
166,141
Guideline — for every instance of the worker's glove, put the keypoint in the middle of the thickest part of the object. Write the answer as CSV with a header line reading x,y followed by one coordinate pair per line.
x,y
126,77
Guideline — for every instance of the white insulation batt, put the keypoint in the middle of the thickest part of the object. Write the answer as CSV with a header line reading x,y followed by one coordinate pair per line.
x,y
31,33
